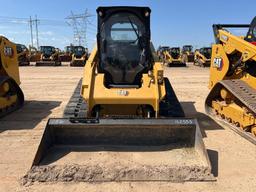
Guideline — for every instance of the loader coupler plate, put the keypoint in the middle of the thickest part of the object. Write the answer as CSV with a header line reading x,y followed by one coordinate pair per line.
x,y
121,150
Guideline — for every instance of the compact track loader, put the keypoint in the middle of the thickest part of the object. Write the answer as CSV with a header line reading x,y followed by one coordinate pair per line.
x,y
187,54
49,57
124,121
160,52
232,99
34,54
11,96
79,56
172,57
23,55
67,55
203,57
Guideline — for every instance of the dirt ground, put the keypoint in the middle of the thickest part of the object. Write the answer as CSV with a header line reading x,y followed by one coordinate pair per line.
x,y
47,90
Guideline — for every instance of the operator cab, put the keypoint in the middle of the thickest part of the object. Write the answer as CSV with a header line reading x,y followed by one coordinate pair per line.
x,y
69,49
47,50
79,51
251,35
175,52
21,48
124,45
186,48
206,51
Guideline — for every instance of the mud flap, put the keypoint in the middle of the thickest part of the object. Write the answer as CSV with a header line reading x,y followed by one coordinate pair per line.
x,y
121,150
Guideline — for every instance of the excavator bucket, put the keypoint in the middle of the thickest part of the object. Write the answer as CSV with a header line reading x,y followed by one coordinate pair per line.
x,y
121,150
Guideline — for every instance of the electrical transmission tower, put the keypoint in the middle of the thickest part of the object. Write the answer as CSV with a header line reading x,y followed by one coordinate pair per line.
x,y
79,23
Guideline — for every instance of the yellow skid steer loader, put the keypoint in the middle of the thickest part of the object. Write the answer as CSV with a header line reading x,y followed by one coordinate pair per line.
x,y
124,121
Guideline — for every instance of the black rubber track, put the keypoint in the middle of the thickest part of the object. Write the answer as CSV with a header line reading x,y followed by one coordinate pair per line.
x,y
14,89
169,106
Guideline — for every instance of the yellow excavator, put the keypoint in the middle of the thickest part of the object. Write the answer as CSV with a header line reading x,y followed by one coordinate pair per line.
x,y
203,57
11,96
172,57
23,55
232,97
124,121
79,56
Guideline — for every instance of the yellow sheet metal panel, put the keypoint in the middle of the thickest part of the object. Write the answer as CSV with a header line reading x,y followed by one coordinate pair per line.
x,y
9,59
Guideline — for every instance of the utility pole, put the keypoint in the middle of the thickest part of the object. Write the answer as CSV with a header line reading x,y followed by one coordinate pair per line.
x,y
31,31
79,23
37,41
31,23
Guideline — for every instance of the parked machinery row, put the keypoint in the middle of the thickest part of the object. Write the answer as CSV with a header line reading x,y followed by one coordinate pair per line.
x,y
176,57
51,56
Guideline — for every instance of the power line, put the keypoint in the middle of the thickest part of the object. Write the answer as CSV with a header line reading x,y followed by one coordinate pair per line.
x,y
79,23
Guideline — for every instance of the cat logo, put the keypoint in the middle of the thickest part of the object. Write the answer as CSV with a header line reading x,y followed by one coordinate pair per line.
x,y
217,63
8,51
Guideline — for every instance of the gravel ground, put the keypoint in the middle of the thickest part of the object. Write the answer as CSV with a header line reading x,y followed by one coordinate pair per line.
x,y
47,90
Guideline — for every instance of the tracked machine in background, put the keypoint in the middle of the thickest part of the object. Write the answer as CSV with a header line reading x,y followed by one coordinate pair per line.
x,y
160,52
187,54
49,56
232,97
34,54
172,57
67,55
79,56
23,55
203,57
123,104
11,96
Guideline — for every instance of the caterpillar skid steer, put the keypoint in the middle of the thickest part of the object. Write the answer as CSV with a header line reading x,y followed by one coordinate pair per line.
x,y
23,55
79,56
11,96
124,121
233,79
187,54
172,57
160,52
49,57
34,55
203,57
67,55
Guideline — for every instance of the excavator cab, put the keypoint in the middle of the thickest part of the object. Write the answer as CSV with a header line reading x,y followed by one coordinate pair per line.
x,y
124,45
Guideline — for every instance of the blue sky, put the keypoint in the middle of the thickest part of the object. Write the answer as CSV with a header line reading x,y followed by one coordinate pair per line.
x,y
173,23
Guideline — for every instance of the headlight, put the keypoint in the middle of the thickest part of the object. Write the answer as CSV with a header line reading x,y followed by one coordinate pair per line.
x,y
160,76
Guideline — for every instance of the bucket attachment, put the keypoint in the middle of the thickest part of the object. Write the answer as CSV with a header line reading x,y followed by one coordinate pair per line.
x,y
121,150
